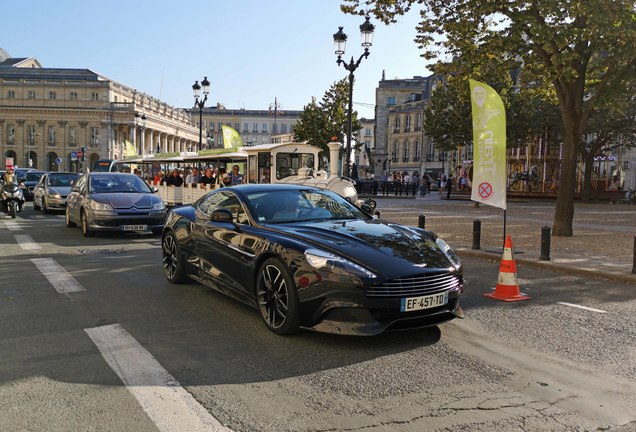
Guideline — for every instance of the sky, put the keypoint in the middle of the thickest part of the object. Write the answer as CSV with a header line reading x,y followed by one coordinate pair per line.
x,y
253,52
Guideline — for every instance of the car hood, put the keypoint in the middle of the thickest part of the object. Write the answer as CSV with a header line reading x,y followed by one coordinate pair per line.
x,y
62,190
388,247
125,199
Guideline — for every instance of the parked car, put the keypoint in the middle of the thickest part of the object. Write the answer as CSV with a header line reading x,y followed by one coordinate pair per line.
x,y
308,258
51,191
31,179
108,201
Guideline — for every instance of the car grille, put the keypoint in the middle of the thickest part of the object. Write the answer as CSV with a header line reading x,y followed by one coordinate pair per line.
x,y
133,211
412,286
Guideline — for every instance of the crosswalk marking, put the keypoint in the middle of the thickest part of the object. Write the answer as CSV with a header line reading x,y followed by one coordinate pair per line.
x,y
26,242
12,226
167,404
61,280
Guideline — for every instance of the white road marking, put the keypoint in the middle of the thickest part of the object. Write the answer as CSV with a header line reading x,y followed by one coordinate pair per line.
x,y
167,404
61,280
12,226
582,307
26,242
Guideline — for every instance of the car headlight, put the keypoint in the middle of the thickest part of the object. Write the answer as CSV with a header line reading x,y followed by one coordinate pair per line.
x,y
54,194
449,252
159,206
100,206
320,259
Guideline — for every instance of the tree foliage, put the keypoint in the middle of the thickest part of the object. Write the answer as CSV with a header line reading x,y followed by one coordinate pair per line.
x,y
585,48
320,122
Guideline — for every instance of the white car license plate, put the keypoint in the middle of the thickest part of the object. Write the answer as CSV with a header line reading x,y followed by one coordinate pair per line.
x,y
134,227
424,302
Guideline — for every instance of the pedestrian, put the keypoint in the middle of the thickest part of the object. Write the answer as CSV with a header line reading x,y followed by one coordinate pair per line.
x,y
235,177
449,186
207,179
423,186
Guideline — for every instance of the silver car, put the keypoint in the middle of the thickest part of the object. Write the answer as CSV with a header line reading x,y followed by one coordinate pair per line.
x,y
109,201
51,191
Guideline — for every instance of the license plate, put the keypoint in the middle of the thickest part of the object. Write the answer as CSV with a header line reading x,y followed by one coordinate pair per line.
x,y
134,227
424,302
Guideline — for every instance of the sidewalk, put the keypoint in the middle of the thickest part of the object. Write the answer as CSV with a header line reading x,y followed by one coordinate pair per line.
x,y
602,244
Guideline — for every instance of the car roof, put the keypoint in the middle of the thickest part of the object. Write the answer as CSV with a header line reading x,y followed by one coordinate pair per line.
x,y
62,173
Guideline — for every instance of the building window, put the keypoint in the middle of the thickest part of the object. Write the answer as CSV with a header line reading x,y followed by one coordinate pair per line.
x,y
72,135
211,126
51,134
94,96
31,94
74,96
220,127
396,127
246,127
10,133
418,123
407,126
405,156
283,128
10,94
237,126
52,95
94,135
255,127
367,132
391,100
264,127
31,133
275,129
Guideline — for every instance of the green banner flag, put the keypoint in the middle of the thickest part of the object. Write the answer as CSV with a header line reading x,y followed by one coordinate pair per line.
x,y
231,137
489,146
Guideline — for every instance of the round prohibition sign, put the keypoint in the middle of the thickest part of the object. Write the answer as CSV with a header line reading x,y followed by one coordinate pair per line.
x,y
485,190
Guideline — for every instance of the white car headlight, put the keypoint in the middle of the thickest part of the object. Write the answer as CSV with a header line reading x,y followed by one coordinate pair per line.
x,y
159,206
100,206
54,194
321,259
449,252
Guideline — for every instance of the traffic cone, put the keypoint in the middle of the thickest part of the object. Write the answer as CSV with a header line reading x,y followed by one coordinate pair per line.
x,y
507,288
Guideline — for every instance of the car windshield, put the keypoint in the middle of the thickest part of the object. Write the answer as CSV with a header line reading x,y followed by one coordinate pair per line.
x,y
296,205
62,180
34,176
118,184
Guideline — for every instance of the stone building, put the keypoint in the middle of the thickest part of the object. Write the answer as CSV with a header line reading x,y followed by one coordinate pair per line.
x,y
48,114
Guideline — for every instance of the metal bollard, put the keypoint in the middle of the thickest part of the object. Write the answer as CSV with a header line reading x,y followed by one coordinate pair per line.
x,y
377,213
421,221
634,264
476,234
545,244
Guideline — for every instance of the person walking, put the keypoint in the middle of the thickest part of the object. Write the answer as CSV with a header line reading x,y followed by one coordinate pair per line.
x,y
449,186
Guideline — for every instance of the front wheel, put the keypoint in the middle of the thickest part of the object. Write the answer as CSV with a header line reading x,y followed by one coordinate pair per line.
x,y
86,231
45,206
277,297
12,209
172,259
35,205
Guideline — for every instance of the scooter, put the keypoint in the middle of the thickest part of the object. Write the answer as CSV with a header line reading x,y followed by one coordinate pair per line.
x,y
11,199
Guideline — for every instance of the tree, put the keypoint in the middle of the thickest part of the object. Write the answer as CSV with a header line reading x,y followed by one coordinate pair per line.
x,y
318,123
585,48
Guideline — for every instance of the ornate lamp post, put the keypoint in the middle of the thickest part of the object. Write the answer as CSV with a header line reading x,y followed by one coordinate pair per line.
x,y
140,122
340,42
196,89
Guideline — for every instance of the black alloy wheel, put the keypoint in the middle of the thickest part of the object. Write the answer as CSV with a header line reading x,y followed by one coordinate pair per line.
x,y
277,297
86,231
69,223
172,259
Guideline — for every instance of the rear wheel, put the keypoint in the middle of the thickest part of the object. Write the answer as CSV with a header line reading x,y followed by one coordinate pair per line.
x,y
277,297
172,259
69,223
86,231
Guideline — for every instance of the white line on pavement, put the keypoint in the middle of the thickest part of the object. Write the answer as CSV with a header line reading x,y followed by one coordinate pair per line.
x,y
26,242
582,307
12,226
167,404
61,280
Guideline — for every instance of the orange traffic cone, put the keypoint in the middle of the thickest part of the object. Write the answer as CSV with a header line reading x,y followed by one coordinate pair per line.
x,y
507,288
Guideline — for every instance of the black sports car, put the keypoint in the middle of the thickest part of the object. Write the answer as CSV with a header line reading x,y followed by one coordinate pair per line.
x,y
306,257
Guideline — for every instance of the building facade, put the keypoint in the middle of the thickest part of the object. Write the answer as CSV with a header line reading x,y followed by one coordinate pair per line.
x,y
254,126
48,114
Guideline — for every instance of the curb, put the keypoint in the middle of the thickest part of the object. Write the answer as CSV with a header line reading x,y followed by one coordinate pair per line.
x,y
548,265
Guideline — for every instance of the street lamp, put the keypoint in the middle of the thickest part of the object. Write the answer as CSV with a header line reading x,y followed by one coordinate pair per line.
x,y
140,122
340,42
196,89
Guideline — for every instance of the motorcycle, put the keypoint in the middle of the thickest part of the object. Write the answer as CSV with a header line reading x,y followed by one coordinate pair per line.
x,y
11,199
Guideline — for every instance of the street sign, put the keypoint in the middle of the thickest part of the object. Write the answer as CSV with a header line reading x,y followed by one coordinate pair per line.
x,y
58,161
73,156
8,162
80,155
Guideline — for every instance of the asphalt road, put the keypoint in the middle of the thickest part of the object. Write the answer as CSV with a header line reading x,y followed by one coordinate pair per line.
x,y
93,338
